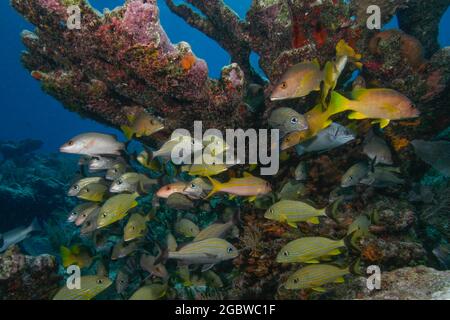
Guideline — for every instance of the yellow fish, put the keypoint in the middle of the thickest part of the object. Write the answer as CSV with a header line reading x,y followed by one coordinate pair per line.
x,y
317,275
309,250
94,192
343,49
153,291
291,212
383,105
141,125
144,158
298,81
116,208
204,169
187,228
249,186
91,286
76,255
136,227
317,121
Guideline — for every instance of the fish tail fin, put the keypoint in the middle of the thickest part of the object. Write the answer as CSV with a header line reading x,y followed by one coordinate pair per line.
x,y
355,267
216,185
66,256
331,210
351,241
127,131
35,226
338,103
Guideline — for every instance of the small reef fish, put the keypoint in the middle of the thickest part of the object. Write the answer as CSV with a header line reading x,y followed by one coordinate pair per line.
x,y
315,276
17,235
298,81
332,72
76,255
179,201
301,172
383,105
317,121
98,163
171,242
91,286
80,184
144,158
123,249
197,189
181,142
435,153
207,252
330,138
354,175
247,186
292,190
205,169
85,213
147,263
287,120
136,227
122,281
215,230
343,49
359,227
93,144
142,124
167,190
292,212
73,215
310,250
116,171
382,177
153,291
90,225
187,228
116,208
94,192
377,149
214,145
132,182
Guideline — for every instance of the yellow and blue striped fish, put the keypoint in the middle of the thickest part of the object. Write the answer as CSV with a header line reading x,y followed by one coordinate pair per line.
x,y
91,286
309,250
315,276
291,212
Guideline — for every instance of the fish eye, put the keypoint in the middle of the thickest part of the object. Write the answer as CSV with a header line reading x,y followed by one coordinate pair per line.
x,y
104,214
271,211
133,228
296,280
115,170
294,120
99,281
283,85
73,213
230,250
286,253
70,143
76,187
119,182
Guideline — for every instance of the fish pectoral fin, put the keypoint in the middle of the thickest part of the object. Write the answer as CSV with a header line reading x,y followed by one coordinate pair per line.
x,y
334,252
339,280
319,289
206,267
312,261
357,116
383,122
314,220
293,225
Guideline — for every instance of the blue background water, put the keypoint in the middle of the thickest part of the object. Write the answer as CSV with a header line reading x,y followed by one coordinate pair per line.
x,y
27,112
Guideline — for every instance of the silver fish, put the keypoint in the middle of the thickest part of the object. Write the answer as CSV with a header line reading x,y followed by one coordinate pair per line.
x,y
435,153
92,144
132,182
287,120
76,187
90,225
17,235
383,177
197,189
116,171
377,149
332,137
98,163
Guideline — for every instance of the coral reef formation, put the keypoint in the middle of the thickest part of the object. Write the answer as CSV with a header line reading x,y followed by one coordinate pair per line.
x,y
25,277
122,61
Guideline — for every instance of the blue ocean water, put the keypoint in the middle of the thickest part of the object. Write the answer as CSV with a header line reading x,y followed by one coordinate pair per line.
x,y
27,112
